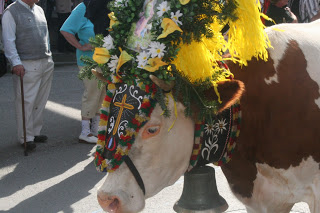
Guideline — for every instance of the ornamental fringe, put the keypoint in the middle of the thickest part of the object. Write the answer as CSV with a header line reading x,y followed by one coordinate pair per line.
x,y
246,39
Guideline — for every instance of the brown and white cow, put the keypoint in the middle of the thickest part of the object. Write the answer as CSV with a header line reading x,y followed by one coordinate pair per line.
x,y
276,162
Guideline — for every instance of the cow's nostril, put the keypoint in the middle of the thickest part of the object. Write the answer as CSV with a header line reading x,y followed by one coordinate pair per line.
x,y
114,204
109,203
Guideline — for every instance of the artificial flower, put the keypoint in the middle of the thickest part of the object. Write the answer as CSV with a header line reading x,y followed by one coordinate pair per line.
x,y
108,42
169,26
124,58
113,63
183,2
175,17
154,64
162,8
157,49
101,55
113,19
142,58
141,66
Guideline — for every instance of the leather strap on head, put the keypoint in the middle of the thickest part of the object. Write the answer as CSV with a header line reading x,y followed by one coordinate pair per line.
x,y
135,172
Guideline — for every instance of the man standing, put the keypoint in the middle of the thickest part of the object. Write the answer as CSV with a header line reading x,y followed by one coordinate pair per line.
x,y
26,44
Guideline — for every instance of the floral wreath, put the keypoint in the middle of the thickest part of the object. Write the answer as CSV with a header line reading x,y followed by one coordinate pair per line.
x,y
180,41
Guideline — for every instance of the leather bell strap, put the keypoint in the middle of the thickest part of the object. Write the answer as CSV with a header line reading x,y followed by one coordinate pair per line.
x,y
135,172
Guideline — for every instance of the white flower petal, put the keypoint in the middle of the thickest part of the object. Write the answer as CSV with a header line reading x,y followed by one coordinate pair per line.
x,y
108,42
163,8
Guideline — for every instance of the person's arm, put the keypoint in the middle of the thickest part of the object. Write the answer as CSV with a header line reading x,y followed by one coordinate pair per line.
x,y
73,25
316,17
312,9
9,38
74,42
292,15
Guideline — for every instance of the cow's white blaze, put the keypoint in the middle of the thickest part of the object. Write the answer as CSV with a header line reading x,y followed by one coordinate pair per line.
x,y
272,187
160,159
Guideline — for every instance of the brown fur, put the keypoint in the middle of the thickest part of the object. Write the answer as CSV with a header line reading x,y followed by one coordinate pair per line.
x,y
279,121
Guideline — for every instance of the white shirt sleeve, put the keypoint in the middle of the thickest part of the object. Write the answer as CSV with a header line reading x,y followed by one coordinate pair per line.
x,y
9,38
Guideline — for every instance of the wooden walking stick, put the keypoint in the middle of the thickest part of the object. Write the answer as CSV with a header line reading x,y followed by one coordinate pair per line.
x,y
23,117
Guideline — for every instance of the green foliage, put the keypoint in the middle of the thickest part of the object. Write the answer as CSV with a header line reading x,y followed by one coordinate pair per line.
x,y
162,100
85,72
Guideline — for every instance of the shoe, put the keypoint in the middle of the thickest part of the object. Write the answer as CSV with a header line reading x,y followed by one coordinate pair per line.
x,y
40,138
30,145
94,134
88,139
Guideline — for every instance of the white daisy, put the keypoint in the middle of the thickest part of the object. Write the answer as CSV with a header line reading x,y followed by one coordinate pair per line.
x,y
157,49
113,63
108,42
142,58
175,17
221,125
141,66
163,8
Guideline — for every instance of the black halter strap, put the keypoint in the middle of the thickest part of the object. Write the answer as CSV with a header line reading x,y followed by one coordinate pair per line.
x,y
135,172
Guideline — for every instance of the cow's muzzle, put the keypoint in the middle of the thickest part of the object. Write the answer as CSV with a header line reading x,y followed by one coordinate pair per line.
x,y
109,203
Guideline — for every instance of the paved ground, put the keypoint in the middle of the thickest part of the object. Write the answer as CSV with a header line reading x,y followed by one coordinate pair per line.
x,y
60,176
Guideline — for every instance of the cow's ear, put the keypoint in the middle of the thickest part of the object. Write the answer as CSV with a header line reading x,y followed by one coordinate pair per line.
x,y
230,92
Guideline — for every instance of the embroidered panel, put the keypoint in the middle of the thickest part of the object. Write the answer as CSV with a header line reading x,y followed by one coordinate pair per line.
x,y
215,142
124,111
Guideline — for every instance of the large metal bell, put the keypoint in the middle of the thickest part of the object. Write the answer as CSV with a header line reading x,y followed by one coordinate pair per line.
x,y
200,193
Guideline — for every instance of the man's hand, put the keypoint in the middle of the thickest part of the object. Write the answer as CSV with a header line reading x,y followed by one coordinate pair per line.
x,y
18,70
86,47
293,16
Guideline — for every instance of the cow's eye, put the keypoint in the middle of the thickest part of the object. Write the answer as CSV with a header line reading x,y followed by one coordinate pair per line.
x,y
150,131
153,130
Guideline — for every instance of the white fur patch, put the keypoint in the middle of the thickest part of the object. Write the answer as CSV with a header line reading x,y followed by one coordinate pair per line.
x,y
272,79
277,190
307,36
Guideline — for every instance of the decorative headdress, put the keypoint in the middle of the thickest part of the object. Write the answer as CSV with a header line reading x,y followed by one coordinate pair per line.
x,y
176,41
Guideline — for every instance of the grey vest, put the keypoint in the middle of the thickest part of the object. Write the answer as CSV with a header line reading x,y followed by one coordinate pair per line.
x,y
32,37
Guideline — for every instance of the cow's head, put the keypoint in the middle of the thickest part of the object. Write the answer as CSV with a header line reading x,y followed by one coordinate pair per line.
x,y
160,156
175,41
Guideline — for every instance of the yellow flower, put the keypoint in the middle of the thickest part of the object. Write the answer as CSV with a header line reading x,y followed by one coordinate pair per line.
x,y
183,2
124,57
169,26
154,64
113,20
101,55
